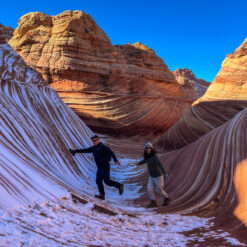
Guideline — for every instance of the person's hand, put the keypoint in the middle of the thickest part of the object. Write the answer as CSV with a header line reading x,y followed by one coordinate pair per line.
x,y
118,163
72,152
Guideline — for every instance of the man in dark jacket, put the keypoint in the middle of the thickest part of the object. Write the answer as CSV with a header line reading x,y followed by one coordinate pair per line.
x,y
102,156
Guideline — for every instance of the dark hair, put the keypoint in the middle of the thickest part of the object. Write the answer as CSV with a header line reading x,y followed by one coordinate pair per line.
x,y
151,154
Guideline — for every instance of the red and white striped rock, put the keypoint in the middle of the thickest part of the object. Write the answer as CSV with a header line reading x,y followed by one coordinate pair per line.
x,y
115,89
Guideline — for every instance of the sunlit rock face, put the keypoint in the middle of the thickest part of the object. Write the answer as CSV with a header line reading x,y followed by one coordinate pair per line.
x,y
187,79
116,89
225,97
37,129
231,81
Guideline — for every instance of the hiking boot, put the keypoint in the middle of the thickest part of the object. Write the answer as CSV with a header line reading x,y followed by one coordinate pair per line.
x,y
73,197
152,204
120,189
166,201
100,196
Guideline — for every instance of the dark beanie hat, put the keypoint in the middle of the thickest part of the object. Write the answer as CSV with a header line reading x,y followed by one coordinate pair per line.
x,y
94,137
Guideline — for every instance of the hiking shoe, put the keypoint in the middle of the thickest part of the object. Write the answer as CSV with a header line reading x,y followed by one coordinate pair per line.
x,y
121,189
100,196
73,197
167,200
152,204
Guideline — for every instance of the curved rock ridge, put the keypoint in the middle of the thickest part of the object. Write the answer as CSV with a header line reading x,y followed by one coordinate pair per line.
x,y
119,88
201,119
37,129
231,81
224,98
187,79
201,174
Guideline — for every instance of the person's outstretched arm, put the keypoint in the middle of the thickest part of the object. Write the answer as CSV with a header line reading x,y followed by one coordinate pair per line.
x,y
141,162
83,150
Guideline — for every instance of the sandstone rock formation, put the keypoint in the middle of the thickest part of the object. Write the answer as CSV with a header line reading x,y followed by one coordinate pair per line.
x,y
37,129
187,79
34,127
211,139
231,81
225,97
121,89
201,175
5,33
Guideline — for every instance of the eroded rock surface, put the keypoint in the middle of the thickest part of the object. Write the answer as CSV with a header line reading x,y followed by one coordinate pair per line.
x,y
116,89
231,81
187,79
225,97
37,129
5,34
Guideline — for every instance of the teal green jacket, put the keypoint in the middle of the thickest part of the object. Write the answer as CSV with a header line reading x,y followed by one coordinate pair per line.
x,y
155,167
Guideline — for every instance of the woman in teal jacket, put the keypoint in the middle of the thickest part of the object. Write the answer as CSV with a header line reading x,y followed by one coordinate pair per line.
x,y
157,174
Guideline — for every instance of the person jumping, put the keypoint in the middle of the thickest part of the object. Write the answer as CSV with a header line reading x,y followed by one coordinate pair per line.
x,y
102,156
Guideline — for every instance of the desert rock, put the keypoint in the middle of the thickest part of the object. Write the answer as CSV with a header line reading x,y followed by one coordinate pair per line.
x,y
187,79
117,89
5,34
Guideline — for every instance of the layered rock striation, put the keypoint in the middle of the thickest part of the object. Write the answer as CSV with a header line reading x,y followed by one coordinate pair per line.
x,y
225,97
231,81
204,150
118,89
37,128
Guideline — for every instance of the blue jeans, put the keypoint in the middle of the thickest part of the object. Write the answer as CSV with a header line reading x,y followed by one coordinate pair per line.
x,y
103,174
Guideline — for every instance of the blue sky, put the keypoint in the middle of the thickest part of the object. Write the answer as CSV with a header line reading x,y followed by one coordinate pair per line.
x,y
194,34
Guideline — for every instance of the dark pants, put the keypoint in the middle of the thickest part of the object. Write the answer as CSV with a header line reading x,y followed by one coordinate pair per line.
x,y
104,174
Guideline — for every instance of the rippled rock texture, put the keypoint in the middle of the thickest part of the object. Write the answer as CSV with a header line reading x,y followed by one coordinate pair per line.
x,y
205,149
116,89
225,97
34,161
36,130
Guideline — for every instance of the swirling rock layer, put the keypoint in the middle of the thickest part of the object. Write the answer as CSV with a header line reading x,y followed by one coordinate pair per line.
x,y
225,97
120,89
37,129
208,146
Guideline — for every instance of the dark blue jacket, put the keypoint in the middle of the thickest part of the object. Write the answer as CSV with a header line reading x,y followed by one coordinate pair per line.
x,y
101,153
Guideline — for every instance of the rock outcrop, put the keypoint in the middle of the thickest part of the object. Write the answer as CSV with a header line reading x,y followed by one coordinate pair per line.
x,y
231,81
121,89
225,97
5,34
187,79
37,128
205,149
